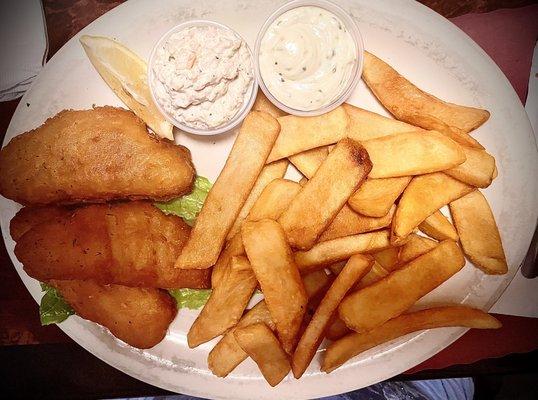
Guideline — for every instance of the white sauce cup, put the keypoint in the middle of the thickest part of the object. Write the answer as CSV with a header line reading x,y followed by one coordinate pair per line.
x,y
250,95
356,72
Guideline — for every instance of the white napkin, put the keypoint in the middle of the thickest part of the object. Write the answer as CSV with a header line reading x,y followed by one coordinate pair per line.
x,y
521,296
23,45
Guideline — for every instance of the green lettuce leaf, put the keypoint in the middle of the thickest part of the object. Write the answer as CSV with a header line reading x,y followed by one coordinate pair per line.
x,y
188,206
53,308
192,299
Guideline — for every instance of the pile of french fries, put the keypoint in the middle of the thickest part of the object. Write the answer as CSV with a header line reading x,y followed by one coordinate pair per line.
x,y
345,253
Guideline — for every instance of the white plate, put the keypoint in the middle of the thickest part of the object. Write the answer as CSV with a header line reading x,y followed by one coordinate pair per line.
x,y
423,46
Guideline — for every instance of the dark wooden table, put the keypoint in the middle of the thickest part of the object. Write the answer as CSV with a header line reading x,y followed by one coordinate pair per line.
x,y
43,360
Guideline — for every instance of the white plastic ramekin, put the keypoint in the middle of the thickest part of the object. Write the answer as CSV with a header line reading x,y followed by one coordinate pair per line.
x,y
250,95
356,72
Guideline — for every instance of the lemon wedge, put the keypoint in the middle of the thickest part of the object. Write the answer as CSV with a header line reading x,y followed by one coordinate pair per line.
x,y
126,74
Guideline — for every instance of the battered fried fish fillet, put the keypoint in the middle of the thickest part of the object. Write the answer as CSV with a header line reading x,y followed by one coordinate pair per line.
x,y
92,155
131,244
28,217
138,316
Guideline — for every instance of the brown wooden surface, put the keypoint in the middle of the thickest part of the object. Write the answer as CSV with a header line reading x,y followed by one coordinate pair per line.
x,y
454,8
66,17
19,320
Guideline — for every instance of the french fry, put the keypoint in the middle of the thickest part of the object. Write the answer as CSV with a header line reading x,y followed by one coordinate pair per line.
x,y
374,305
438,227
274,199
309,161
366,125
226,303
298,134
224,201
347,222
259,342
423,196
410,104
336,268
234,247
315,282
318,202
315,296
274,267
479,235
326,253
338,328
227,354
477,170
355,343
412,153
376,273
269,173
464,139
388,258
262,103
375,197
415,246
357,266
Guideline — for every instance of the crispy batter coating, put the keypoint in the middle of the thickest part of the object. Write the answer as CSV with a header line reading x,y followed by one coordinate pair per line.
x,y
138,316
92,155
132,244
28,217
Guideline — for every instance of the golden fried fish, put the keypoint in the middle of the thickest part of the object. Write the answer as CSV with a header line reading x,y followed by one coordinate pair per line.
x,y
131,244
28,217
96,155
138,316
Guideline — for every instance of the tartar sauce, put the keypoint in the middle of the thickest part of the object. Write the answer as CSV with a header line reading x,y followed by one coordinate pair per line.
x,y
201,75
306,58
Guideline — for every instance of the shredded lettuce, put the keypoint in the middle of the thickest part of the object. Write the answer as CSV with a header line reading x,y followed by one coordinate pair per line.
x,y
188,206
192,299
53,308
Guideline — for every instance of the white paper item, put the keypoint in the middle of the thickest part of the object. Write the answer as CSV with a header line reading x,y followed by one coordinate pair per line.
x,y
23,47
521,297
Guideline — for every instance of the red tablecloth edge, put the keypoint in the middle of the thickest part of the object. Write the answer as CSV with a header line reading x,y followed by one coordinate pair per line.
x,y
517,335
509,37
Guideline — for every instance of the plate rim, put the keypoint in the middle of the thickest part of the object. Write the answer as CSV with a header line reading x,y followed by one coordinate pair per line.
x,y
71,330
